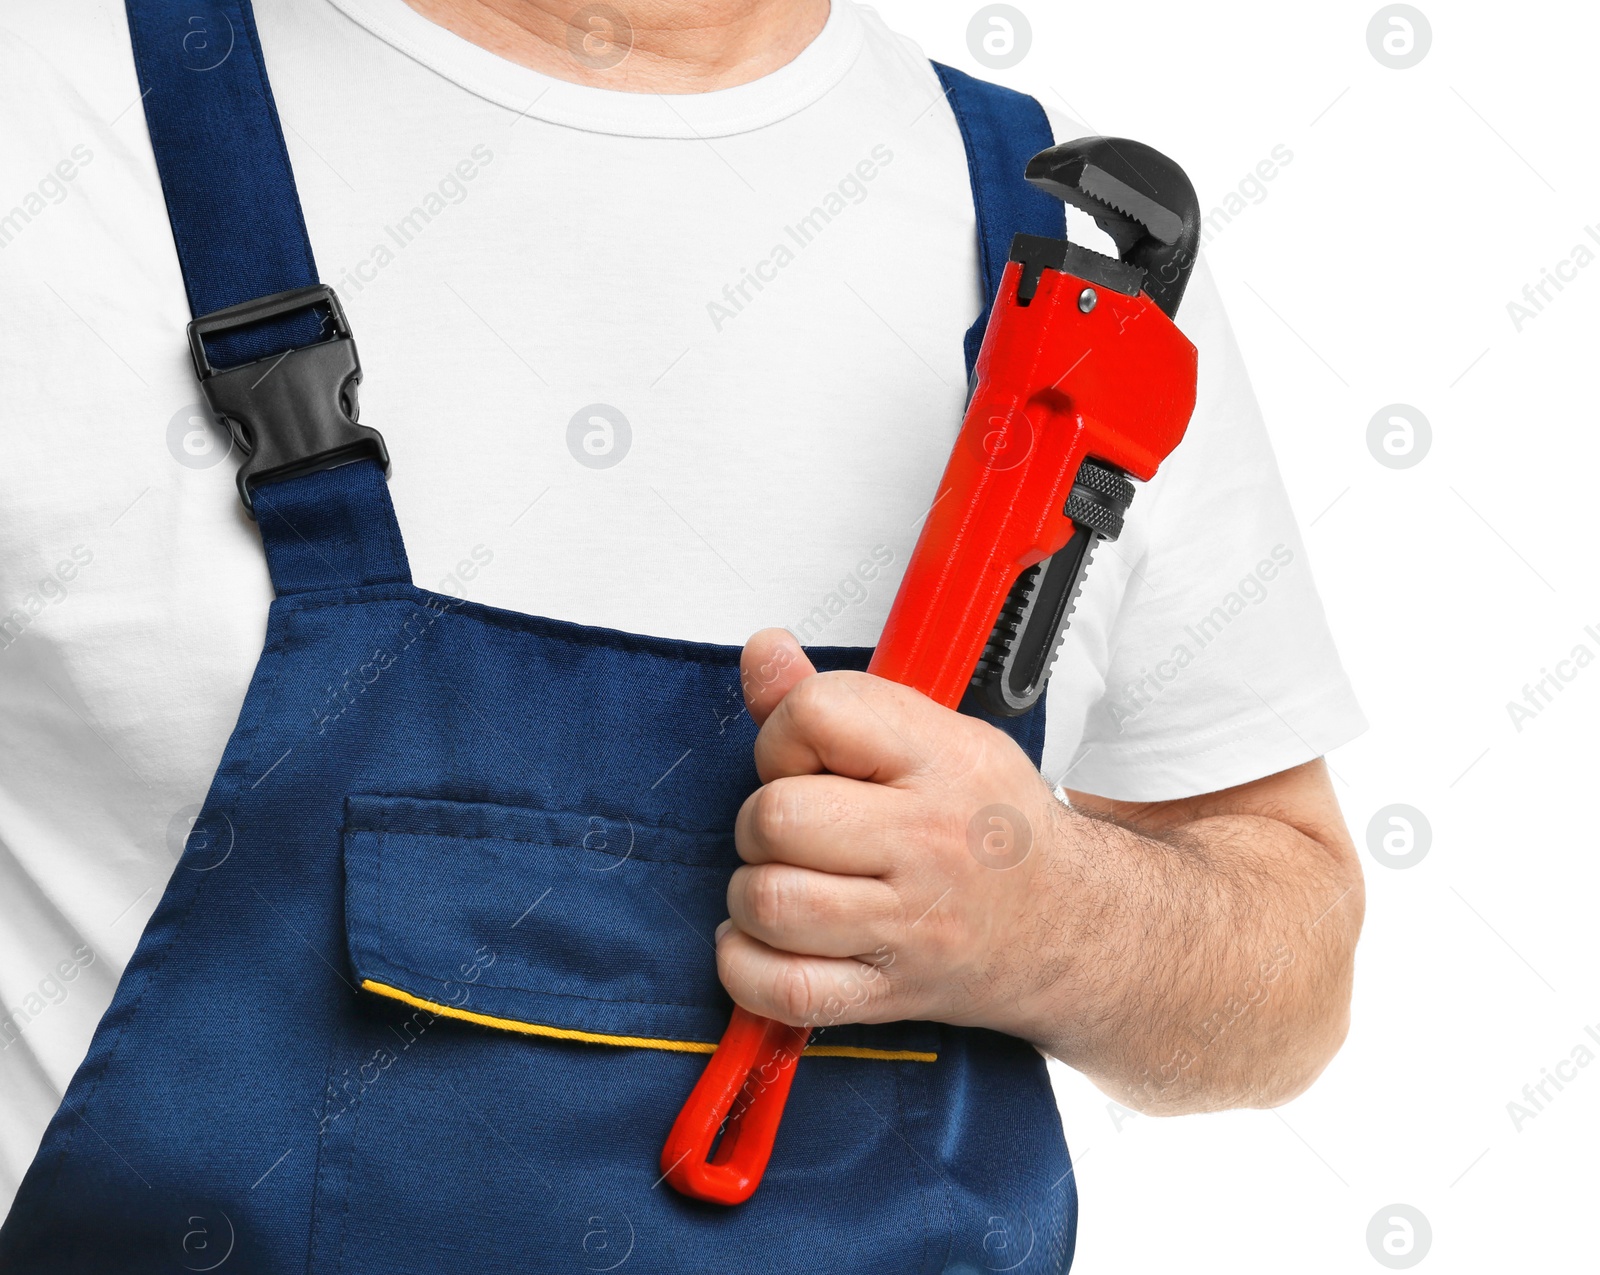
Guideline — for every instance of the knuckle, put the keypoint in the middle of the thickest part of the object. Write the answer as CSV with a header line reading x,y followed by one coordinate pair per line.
x,y
813,700
773,896
967,747
793,992
774,812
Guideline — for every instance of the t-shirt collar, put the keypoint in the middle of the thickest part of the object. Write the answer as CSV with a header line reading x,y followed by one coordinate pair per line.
x,y
720,113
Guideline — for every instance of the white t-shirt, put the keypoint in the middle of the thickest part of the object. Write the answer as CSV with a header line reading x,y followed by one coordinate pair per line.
x,y
609,398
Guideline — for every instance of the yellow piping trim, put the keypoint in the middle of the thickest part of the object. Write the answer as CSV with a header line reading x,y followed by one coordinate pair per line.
x,y
634,1042
881,1055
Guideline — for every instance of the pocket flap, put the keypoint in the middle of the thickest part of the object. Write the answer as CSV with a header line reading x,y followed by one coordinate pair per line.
x,y
554,923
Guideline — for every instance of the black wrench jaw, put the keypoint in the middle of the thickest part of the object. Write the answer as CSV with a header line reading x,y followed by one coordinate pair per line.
x,y
1141,199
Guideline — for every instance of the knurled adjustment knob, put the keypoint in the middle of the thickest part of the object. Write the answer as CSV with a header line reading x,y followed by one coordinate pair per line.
x,y
1099,498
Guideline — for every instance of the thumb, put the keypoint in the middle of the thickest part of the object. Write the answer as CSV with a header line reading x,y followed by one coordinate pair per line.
x,y
771,664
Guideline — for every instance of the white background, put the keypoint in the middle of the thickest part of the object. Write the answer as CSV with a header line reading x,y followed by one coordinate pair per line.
x,y
1377,270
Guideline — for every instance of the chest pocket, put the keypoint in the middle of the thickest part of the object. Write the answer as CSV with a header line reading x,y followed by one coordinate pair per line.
x,y
555,923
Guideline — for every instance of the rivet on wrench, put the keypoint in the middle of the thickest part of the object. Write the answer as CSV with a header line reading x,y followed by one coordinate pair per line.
x,y
1087,299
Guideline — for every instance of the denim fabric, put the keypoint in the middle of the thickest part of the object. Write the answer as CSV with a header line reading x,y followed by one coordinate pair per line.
x,y
329,530
242,1078
510,817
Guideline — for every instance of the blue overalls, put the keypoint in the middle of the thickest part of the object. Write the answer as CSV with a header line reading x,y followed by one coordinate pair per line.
x,y
435,973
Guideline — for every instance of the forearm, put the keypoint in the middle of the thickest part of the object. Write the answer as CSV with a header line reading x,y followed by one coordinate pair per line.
x,y
1213,966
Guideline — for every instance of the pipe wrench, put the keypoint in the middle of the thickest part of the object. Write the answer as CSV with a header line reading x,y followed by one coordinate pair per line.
x,y
1083,383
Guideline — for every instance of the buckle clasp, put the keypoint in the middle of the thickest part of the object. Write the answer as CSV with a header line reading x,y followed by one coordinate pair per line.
x,y
292,413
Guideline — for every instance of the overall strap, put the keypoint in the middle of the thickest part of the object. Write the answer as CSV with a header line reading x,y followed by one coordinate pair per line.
x,y
1001,130
240,236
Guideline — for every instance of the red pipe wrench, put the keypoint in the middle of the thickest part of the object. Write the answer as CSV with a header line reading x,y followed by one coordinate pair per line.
x,y
1083,379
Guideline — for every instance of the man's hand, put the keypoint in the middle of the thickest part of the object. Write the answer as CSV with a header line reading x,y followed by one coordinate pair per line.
x,y
892,858
903,861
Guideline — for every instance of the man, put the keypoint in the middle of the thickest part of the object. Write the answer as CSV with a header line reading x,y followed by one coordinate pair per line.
x,y
661,315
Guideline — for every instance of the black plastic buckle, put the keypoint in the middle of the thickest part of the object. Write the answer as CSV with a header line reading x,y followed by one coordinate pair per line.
x,y
292,413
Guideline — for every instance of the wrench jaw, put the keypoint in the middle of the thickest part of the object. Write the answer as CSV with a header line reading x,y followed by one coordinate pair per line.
x,y
1142,200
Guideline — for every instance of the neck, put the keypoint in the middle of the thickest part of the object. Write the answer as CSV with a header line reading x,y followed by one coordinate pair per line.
x,y
656,46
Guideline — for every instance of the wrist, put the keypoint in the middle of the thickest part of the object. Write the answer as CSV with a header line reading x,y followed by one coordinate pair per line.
x,y
1059,956
1097,957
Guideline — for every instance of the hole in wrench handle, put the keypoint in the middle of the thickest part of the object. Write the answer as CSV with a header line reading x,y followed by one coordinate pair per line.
x,y
744,1087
